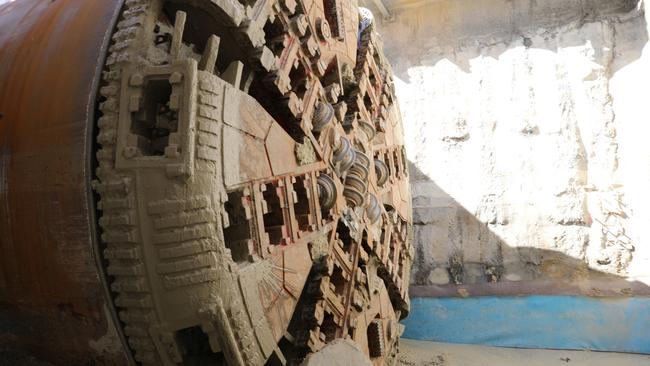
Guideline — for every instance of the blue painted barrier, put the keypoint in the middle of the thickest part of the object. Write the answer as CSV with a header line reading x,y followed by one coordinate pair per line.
x,y
547,322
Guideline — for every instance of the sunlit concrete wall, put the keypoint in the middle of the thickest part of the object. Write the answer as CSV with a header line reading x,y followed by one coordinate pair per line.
x,y
529,136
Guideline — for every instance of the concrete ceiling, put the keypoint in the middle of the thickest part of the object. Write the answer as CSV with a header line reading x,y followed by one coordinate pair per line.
x,y
384,7
400,3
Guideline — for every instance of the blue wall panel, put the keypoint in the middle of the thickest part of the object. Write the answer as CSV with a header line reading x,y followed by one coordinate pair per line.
x,y
552,322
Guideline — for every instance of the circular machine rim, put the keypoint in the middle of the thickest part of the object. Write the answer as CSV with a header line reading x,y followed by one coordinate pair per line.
x,y
208,185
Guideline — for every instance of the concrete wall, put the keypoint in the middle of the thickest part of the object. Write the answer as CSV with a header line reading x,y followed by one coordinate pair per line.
x,y
527,127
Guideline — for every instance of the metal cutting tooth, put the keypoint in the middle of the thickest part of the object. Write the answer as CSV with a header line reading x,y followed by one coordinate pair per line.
x,y
381,169
326,191
344,156
323,116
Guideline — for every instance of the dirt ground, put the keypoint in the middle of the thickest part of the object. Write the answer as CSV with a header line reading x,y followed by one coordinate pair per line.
x,y
418,353
19,358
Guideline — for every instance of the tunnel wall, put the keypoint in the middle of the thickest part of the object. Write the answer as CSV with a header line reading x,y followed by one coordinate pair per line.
x,y
526,125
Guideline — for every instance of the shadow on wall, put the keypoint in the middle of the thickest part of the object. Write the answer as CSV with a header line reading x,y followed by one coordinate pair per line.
x,y
524,122
536,132
461,31
457,255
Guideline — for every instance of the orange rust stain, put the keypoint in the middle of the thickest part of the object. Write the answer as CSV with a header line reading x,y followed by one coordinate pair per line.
x,y
49,51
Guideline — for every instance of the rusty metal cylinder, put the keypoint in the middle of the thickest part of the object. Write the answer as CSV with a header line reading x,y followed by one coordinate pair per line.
x,y
53,301
159,204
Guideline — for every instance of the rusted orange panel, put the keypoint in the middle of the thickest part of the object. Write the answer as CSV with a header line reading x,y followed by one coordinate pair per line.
x,y
52,300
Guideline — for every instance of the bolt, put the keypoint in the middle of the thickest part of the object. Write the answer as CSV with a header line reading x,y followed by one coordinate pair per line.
x,y
136,80
130,152
176,78
324,30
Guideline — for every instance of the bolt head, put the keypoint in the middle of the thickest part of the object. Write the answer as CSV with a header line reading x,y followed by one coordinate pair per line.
x,y
324,30
130,152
